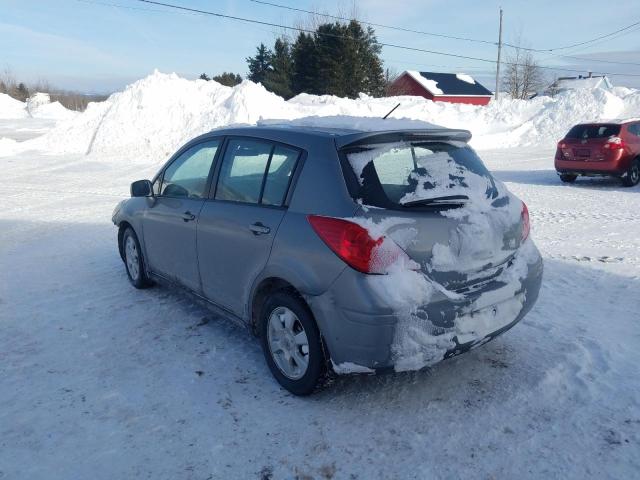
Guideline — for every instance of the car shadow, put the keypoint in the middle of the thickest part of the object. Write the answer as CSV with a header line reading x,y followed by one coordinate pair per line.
x,y
550,178
132,374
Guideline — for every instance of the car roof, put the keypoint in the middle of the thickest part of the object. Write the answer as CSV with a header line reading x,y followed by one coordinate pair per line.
x,y
613,121
290,128
344,137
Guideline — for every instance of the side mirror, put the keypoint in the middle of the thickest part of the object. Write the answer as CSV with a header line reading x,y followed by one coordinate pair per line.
x,y
141,188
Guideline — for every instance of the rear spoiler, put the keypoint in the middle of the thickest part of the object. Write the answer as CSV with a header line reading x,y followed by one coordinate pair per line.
x,y
391,136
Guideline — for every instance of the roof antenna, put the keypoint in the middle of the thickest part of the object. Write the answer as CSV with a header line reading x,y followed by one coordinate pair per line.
x,y
390,112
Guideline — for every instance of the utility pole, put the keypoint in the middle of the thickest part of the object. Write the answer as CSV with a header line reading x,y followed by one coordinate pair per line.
x,y
497,94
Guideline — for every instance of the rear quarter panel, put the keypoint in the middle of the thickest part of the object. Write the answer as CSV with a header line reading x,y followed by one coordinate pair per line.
x,y
298,255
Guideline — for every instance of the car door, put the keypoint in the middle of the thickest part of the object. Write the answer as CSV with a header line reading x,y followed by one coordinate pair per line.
x,y
169,223
633,139
238,223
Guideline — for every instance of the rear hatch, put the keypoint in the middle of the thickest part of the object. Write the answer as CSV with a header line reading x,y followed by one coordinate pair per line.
x,y
588,142
440,204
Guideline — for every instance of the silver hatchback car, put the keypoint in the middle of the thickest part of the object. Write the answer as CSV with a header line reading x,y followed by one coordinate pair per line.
x,y
345,251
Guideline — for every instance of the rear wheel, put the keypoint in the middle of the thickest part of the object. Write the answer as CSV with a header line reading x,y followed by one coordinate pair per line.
x,y
133,260
291,343
632,177
566,178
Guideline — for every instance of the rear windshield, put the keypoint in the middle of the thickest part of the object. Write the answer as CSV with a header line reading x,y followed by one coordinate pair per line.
x,y
419,174
583,132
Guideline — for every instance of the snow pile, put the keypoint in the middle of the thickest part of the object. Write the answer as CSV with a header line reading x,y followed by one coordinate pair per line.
x,y
151,118
38,99
11,108
37,106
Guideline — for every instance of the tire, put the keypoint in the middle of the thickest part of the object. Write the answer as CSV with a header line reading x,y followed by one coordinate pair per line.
x,y
632,177
133,260
566,178
284,316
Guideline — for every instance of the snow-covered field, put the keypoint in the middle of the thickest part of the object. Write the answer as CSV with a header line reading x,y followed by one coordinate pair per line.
x,y
98,380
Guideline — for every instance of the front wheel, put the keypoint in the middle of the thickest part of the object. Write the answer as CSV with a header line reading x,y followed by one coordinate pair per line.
x,y
632,177
133,260
291,343
566,178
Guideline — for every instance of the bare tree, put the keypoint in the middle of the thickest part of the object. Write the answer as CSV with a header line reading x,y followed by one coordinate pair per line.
x,y
523,76
390,76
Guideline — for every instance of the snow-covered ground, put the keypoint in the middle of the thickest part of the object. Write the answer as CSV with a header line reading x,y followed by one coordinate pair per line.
x,y
99,380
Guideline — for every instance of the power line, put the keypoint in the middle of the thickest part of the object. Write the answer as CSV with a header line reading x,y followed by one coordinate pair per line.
x,y
384,44
597,38
452,37
599,60
189,11
381,25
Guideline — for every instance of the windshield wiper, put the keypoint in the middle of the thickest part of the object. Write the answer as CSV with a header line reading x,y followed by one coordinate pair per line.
x,y
444,200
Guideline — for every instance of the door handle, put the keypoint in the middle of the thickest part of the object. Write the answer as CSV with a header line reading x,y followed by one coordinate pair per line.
x,y
188,216
259,229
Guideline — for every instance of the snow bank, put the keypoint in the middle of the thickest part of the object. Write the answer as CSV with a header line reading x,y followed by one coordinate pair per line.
x,y
11,108
152,117
37,106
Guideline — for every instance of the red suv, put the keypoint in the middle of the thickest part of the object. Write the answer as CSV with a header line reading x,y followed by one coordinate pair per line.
x,y
601,149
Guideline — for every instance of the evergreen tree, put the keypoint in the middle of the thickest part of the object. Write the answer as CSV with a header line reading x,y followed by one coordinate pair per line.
x,y
332,55
260,64
303,54
337,59
204,76
364,65
278,79
22,92
228,78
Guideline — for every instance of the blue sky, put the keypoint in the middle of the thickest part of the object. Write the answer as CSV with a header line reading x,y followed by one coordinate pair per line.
x,y
94,46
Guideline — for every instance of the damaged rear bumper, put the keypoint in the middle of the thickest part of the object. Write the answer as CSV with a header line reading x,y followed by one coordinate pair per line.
x,y
366,334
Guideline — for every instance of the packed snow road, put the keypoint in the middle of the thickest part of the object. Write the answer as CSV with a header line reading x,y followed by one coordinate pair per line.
x,y
98,380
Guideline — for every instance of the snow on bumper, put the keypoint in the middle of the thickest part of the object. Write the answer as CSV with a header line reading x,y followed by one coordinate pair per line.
x,y
401,321
437,331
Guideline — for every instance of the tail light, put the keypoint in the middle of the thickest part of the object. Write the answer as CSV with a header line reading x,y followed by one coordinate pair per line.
x,y
614,143
526,223
562,152
356,247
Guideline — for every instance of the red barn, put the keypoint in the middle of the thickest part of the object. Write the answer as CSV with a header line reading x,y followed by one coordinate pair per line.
x,y
441,87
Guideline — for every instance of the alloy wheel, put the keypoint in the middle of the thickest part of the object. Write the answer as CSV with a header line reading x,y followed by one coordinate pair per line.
x,y
132,258
288,343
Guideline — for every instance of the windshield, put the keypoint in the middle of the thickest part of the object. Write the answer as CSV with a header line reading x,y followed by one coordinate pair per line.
x,y
584,132
419,174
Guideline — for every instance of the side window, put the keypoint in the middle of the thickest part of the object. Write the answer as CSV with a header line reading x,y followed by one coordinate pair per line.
x,y
187,175
283,162
242,171
635,129
156,185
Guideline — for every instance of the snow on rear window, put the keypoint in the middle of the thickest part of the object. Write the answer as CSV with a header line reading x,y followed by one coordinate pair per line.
x,y
403,173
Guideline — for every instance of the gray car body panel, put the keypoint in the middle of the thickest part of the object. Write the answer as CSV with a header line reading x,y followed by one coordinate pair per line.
x,y
356,325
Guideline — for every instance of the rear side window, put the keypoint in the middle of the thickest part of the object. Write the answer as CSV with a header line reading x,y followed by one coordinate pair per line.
x,y
283,161
634,128
585,132
415,174
256,171
187,175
